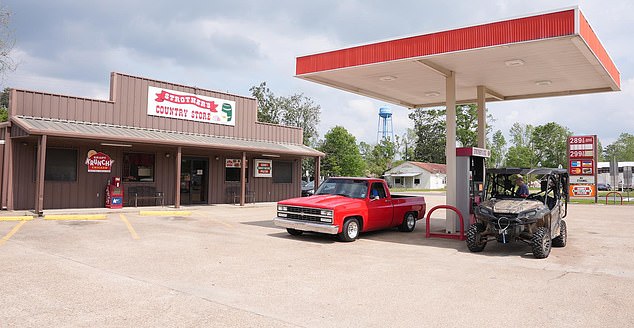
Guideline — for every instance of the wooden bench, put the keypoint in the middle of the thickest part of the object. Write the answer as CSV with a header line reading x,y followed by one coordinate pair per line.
x,y
137,193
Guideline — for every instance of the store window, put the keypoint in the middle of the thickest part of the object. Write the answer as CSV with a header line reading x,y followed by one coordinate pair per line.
x,y
233,174
138,167
282,172
416,181
397,180
61,164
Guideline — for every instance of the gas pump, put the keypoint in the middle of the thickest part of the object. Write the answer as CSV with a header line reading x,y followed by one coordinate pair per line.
x,y
114,193
470,177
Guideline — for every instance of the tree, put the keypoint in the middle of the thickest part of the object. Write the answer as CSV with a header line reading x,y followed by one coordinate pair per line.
x,y
498,150
622,149
269,109
550,144
521,153
4,105
405,145
342,154
430,129
381,157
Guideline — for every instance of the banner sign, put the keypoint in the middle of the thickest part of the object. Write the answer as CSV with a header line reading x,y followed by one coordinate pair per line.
x,y
191,107
98,162
263,168
582,168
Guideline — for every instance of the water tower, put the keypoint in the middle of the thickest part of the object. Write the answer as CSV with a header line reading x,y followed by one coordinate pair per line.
x,y
385,128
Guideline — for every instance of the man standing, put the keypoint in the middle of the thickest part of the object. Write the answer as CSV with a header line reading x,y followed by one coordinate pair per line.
x,y
522,188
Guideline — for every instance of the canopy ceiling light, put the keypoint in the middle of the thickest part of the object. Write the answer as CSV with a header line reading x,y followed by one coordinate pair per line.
x,y
514,63
544,82
432,94
387,78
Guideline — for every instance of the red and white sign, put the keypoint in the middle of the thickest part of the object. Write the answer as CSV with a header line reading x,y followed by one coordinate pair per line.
x,y
263,168
186,106
582,190
98,162
234,163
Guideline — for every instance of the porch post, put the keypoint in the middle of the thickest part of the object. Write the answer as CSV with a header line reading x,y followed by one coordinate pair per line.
x,y
177,194
317,172
7,172
243,176
39,179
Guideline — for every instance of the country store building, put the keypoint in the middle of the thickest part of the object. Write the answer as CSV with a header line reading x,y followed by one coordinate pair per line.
x,y
182,144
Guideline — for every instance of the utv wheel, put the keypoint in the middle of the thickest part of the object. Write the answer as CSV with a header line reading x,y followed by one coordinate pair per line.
x,y
409,223
350,230
294,232
541,243
474,237
560,241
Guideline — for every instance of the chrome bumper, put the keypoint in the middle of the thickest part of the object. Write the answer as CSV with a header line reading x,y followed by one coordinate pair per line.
x,y
306,226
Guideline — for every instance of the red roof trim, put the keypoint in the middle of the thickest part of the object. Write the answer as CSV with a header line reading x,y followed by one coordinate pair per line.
x,y
597,48
510,31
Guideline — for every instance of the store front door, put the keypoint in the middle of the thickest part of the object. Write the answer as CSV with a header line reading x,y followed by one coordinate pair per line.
x,y
194,176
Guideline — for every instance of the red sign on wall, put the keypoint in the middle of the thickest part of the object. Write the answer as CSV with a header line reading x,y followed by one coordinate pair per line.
x,y
98,162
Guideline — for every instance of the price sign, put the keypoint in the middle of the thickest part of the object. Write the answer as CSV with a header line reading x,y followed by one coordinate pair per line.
x,y
582,154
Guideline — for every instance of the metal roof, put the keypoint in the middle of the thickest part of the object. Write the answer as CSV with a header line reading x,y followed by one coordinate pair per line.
x,y
550,54
105,132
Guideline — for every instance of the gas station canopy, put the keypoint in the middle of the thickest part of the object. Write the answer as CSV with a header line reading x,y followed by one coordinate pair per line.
x,y
550,54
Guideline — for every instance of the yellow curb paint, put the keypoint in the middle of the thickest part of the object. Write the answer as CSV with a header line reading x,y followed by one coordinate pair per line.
x,y
130,228
16,218
12,232
71,217
165,213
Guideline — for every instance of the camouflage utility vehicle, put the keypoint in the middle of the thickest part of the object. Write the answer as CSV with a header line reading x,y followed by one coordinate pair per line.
x,y
507,215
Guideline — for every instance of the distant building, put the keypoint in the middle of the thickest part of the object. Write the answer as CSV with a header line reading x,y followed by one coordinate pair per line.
x,y
417,175
603,174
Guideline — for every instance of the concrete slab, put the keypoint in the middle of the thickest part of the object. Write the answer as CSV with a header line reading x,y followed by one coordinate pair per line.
x,y
230,266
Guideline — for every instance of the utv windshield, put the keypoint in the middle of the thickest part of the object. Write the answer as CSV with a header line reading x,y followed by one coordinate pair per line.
x,y
344,187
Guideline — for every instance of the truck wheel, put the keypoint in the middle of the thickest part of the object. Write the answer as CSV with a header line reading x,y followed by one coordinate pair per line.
x,y
350,230
541,243
408,224
294,232
560,241
474,238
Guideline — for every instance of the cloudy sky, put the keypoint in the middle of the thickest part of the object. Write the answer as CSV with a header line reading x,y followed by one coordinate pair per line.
x,y
71,46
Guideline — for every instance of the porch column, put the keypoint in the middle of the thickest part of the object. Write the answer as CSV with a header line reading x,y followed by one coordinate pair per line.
x,y
7,172
243,178
177,189
482,114
39,178
317,172
450,150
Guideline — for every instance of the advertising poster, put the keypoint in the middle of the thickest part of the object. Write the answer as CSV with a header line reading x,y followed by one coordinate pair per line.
x,y
186,106
263,168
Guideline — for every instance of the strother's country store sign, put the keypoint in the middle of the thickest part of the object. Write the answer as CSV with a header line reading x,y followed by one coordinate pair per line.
x,y
191,107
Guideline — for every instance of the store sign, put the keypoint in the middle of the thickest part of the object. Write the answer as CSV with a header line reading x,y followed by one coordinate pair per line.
x,y
98,162
234,163
186,106
263,168
582,190
582,156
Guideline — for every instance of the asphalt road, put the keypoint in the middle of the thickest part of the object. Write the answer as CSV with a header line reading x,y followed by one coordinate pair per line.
x,y
225,266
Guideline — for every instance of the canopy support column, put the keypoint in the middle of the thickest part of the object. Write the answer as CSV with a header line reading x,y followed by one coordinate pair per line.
x,y
177,188
39,178
482,114
450,149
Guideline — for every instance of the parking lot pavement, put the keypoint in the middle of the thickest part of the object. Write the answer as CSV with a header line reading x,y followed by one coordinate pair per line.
x,y
228,266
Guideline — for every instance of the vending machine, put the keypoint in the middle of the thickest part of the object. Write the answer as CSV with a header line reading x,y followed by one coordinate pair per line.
x,y
114,193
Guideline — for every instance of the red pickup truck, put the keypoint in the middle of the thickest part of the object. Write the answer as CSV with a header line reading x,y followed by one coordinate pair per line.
x,y
349,206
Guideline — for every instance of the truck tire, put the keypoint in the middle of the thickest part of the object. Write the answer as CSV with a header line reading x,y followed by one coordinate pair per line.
x,y
408,224
474,238
350,230
294,232
541,243
560,241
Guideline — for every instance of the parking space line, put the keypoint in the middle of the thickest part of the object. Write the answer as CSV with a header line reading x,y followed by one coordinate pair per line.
x,y
223,223
165,213
16,218
12,232
65,217
130,228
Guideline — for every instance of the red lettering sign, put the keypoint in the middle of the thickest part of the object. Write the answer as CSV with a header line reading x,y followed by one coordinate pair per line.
x,y
188,100
99,162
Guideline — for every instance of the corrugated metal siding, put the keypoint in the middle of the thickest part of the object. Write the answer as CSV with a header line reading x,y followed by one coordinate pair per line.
x,y
510,31
586,32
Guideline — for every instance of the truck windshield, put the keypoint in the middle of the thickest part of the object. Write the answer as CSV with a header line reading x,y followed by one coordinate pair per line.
x,y
344,187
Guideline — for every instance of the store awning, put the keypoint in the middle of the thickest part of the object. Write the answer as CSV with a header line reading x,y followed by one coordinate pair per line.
x,y
131,135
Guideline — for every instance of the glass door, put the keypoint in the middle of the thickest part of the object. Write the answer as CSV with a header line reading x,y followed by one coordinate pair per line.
x,y
194,176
